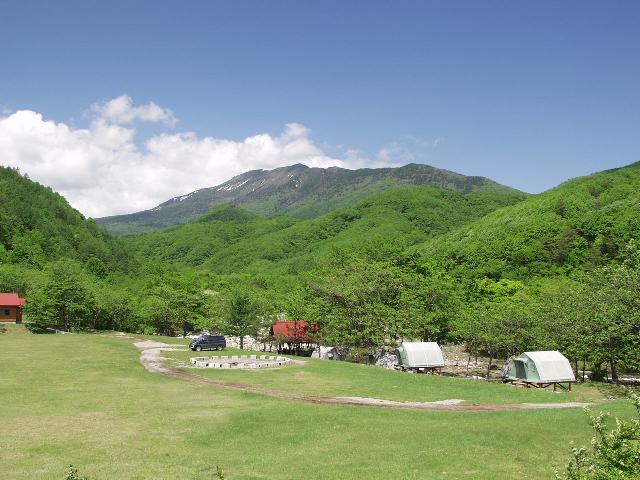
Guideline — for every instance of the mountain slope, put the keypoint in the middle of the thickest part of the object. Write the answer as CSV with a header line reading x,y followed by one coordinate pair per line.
x,y
296,191
583,222
38,225
229,240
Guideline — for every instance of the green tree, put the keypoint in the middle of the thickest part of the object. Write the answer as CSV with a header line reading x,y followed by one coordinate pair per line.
x,y
356,305
611,303
242,317
63,301
498,329
172,302
27,249
565,323
96,267
113,308
429,301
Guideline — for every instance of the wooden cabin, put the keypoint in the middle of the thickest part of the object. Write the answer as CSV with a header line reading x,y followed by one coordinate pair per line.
x,y
11,307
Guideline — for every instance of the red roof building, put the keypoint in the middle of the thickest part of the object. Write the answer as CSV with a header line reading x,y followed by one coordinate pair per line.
x,y
11,307
291,331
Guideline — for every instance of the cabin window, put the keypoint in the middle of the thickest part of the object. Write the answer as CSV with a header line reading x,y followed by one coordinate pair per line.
x,y
6,311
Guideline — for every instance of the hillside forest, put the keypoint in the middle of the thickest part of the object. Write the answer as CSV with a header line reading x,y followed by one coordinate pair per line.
x,y
494,269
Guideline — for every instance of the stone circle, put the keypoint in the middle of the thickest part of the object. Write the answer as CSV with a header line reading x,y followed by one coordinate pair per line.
x,y
240,362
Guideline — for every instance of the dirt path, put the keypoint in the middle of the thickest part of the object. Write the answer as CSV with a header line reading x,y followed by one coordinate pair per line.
x,y
152,359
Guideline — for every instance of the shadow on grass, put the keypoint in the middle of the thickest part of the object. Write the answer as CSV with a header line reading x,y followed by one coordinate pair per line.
x,y
37,328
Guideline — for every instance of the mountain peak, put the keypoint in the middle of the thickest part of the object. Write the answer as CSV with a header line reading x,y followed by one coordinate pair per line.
x,y
295,190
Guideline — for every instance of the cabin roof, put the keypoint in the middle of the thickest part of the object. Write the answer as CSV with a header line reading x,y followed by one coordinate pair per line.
x,y
11,300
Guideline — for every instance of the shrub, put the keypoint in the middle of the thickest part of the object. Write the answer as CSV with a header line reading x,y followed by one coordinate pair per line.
x,y
72,474
219,473
614,454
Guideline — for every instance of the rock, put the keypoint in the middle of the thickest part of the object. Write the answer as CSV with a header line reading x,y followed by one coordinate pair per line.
x,y
387,360
327,353
250,344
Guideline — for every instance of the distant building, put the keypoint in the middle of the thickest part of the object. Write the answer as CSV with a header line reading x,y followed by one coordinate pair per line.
x,y
11,307
291,331
292,336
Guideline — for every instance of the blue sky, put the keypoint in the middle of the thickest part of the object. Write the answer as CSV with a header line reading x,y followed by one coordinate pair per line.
x,y
526,93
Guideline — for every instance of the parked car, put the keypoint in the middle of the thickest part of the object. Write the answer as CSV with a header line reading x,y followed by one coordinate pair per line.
x,y
208,342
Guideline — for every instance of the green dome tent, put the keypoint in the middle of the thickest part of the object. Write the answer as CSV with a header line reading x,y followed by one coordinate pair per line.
x,y
539,369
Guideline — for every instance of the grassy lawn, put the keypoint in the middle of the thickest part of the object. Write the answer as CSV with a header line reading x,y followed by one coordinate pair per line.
x,y
330,378
86,400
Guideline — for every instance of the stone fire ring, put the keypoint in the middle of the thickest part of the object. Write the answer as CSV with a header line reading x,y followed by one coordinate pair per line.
x,y
240,362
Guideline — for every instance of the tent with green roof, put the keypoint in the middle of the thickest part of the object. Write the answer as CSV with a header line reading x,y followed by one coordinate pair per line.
x,y
539,369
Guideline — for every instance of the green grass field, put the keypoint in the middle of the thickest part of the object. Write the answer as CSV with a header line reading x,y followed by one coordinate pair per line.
x,y
325,378
86,400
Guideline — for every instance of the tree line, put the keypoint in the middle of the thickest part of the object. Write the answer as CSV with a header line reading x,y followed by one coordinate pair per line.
x,y
368,299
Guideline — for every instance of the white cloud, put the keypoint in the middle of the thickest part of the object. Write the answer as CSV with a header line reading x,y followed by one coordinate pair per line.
x,y
102,171
121,111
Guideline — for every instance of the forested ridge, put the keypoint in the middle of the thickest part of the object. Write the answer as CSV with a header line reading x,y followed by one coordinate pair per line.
x,y
493,269
582,223
229,239
37,225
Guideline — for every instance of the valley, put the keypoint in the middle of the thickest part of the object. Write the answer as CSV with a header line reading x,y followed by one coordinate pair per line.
x,y
329,240
490,270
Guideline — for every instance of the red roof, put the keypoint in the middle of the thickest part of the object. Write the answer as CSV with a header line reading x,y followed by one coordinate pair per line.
x,y
11,300
286,330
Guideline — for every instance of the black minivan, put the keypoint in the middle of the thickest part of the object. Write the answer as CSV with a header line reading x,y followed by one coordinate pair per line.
x,y
208,342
